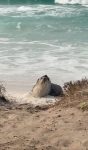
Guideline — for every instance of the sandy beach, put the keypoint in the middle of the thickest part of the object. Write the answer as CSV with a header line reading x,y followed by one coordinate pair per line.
x,y
53,129
63,126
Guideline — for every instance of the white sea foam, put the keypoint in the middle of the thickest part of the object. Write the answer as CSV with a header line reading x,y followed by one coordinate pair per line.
x,y
18,26
24,8
40,10
51,59
29,99
83,2
38,101
4,40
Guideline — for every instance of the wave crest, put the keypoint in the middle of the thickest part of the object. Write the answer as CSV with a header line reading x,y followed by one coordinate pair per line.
x,y
83,2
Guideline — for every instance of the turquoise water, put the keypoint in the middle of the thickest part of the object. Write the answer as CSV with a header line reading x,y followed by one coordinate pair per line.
x,y
43,39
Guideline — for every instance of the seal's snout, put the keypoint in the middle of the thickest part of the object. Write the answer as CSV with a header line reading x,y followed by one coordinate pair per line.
x,y
45,78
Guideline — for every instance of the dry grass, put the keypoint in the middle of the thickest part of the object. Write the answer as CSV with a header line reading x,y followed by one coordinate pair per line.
x,y
2,89
70,88
3,100
75,93
84,106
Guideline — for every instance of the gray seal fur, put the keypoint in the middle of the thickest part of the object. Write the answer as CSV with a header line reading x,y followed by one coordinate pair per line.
x,y
56,90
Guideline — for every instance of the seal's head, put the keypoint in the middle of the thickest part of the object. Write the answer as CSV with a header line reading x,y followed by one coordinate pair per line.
x,y
42,87
43,79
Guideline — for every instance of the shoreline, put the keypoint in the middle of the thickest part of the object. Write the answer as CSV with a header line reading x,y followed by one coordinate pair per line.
x,y
72,90
18,85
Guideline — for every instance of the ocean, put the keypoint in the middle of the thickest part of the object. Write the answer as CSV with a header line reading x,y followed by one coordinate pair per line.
x,y
39,37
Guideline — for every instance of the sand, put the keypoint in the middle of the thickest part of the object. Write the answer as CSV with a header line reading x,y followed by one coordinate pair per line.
x,y
56,128
62,126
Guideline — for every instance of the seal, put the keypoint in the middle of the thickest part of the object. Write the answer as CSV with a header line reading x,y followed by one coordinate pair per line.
x,y
42,87
56,90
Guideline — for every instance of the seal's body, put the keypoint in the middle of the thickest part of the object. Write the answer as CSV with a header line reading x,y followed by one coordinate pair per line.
x,y
42,87
56,90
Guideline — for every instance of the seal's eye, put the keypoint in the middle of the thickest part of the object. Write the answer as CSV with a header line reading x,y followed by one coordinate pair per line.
x,y
37,80
42,77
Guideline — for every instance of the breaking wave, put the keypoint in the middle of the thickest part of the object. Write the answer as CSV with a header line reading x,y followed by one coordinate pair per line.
x,y
83,2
